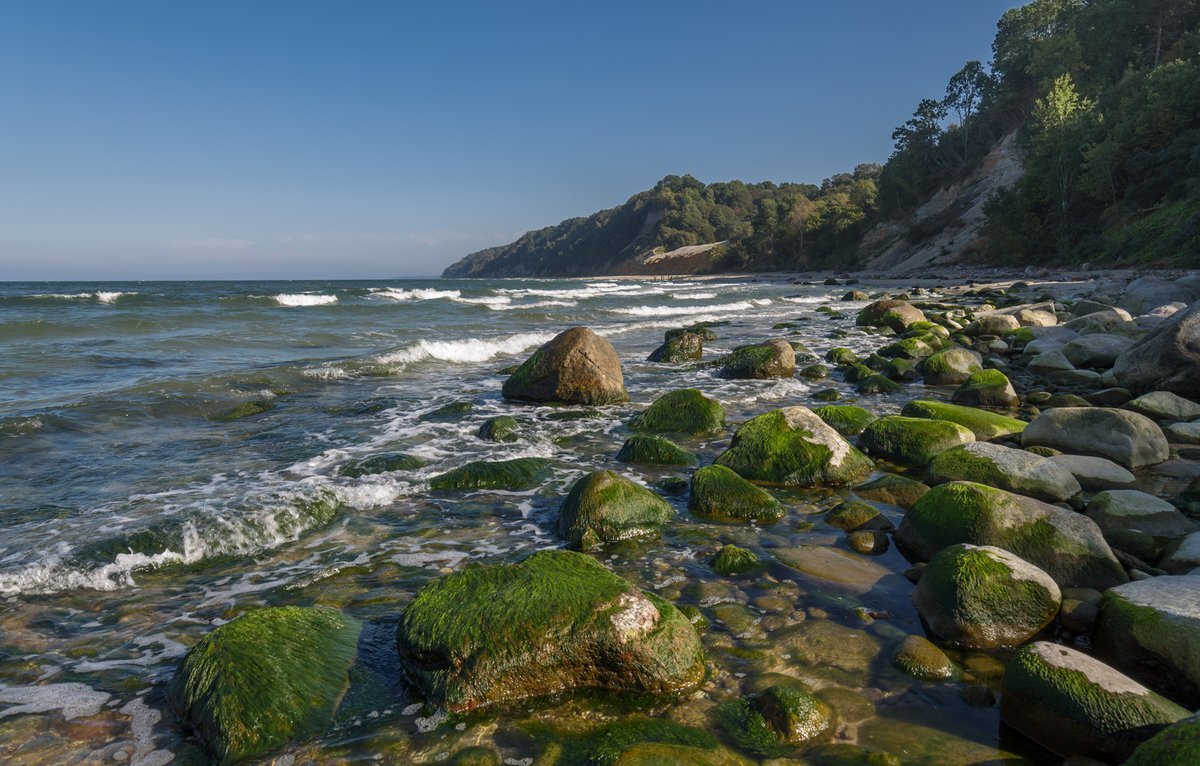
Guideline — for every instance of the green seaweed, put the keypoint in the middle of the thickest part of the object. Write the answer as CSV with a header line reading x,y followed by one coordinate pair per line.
x,y
732,560
681,412
985,425
519,473
604,507
654,450
718,493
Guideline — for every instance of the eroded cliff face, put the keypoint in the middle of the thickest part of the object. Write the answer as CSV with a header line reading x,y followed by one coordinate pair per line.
x,y
949,226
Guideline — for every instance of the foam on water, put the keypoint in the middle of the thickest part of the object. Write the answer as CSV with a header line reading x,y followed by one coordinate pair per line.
x,y
652,311
401,294
304,299
103,296
468,350
74,700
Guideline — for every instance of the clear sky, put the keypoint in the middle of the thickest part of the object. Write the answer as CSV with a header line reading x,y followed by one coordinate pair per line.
x,y
295,139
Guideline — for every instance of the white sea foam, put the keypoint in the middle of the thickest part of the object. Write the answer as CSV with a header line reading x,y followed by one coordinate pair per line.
x,y
491,301
400,294
74,700
304,299
694,296
651,311
465,351
104,296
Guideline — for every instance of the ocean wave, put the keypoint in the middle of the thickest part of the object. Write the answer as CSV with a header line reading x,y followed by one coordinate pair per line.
x,y
693,296
102,296
400,294
650,311
305,299
465,351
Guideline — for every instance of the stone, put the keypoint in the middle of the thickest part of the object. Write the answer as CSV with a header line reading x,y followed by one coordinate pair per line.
x,y
1115,320
556,620
1066,545
877,384
1183,555
892,489
1146,294
1164,405
950,367
911,441
989,389
1075,705
985,425
870,542
686,412
793,447
779,716
1178,745
732,560
1097,350
772,359
983,597
832,565
1005,468
719,494
654,450
678,349
856,295
397,461
846,419
894,314
1050,363
447,413
1124,437
603,507
993,324
502,429
1166,359
517,474
841,357
850,515
576,367
1094,474
272,676
920,658
1183,433
1129,509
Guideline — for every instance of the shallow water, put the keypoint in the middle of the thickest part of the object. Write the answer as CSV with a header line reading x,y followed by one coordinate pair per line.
x,y
136,518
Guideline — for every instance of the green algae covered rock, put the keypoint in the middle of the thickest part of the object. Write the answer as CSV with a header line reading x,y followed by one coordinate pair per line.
x,y
243,410
718,493
841,356
846,419
782,715
910,348
576,367
1068,546
892,489
447,413
639,742
681,412
269,677
381,464
654,450
895,314
732,560
793,447
877,384
603,507
918,657
850,515
950,367
1076,705
772,359
985,425
982,597
1005,468
911,441
1178,745
556,620
678,348
501,429
989,389
519,473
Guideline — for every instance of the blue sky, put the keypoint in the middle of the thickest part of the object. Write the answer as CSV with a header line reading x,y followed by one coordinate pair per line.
x,y
153,140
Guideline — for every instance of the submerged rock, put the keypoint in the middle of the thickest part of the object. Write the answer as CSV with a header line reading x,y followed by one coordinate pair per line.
x,y
1125,437
382,464
556,620
681,412
985,425
501,429
780,715
1005,468
892,489
772,359
654,450
1076,705
983,597
911,441
678,348
920,658
732,560
718,493
603,507
576,367
270,677
1066,545
516,474
851,515
793,447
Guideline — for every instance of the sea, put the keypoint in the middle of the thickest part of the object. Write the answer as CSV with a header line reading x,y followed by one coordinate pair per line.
x,y
171,456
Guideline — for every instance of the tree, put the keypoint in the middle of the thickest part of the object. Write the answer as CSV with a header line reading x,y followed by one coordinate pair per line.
x,y
965,92
1060,120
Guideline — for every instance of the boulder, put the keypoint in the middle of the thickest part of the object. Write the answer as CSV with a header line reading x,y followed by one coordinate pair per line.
x,y
985,425
1151,630
851,515
1149,293
1077,706
502,429
897,315
950,367
1182,555
1164,405
989,389
779,716
481,635
920,658
677,349
911,441
892,489
1095,474
686,412
270,677
732,560
1085,307
519,473
793,447
397,461
1182,433
604,507
877,384
983,597
721,495
1066,545
576,367
1178,745
1096,351
1005,468
1166,359
1124,437
846,419
1129,509
1050,363
654,450
772,359
1116,320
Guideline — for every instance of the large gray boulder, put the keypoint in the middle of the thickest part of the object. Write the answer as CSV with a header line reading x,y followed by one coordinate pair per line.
x,y
1164,405
1005,468
1124,437
1149,293
1095,474
576,367
1096,350
1167,359
1129,509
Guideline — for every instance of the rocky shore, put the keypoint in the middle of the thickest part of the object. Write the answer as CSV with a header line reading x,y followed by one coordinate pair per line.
x,y
1035,418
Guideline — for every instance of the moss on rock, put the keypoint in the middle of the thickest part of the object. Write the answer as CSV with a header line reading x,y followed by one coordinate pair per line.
x,y
720,494
732,560
793,447
678,348
1178,745
892,489
850,515
501,429
911,441
654,450
603,507
766,724
1005,468
919,658
877,384
516,474
846,419
681,412
985,425
772,359
382,464
950,367
841,356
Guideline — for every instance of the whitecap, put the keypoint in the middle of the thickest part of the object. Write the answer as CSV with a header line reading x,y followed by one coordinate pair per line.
x,y
650,311
694,296
304,299
400,294
465,351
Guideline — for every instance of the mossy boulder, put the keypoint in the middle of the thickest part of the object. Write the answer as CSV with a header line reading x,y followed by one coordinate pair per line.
x,y
910,348
1066,545
604,507
554,621
983,597
781,715
500,429
519,473
815,372
381,464
639,742
989,389
720,494
894,314
893,490
918,657
732,560
702,329
447,413
654,450
851,515
793,447
1075,705
911,441
686,411
1124,437
267,678
950,367
846,419
1178,745
877,384
1151,630
1005,468
772,359
841,356
576,367
1129,509
679,348
985,425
